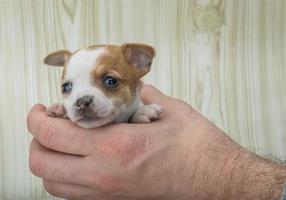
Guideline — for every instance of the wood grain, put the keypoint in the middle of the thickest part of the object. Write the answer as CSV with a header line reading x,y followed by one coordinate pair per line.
x,y
226,58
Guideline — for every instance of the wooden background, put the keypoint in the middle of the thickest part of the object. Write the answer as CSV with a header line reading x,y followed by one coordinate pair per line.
x,y
225,57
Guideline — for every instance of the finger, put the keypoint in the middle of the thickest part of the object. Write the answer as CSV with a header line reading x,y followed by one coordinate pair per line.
x,y
68,191
58,134
150,94
55,166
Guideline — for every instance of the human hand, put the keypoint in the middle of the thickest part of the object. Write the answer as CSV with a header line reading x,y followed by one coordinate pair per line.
x,y
180,156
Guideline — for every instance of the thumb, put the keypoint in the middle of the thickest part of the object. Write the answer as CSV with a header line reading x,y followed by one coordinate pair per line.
x,y
149,94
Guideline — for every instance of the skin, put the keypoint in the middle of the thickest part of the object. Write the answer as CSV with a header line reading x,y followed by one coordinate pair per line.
x,y
180,156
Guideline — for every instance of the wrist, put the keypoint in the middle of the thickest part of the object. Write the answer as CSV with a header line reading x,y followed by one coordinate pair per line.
x,y
254,177
214,166
218,168
208,154
209,164
235,173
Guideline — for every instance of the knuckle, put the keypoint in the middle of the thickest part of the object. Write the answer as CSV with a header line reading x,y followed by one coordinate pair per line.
x,y
148,87
50,188
35,164
179,103
29,121
105,183
31,117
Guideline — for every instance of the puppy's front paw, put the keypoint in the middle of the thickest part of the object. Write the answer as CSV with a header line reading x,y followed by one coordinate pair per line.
x,y
57,110
146,113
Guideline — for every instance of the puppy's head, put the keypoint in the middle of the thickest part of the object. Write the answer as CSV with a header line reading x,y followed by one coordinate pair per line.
x,y
100,82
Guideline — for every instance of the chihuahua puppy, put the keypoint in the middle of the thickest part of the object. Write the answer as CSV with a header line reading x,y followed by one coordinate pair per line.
x,y
101,85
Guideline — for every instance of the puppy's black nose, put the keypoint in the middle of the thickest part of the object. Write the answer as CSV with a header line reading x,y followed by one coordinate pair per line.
x,y
84,102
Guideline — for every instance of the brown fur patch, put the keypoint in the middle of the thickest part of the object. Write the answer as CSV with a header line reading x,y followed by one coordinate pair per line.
x,y
113,63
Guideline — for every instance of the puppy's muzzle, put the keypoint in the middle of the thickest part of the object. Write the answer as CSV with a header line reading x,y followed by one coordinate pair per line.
x,y
83,103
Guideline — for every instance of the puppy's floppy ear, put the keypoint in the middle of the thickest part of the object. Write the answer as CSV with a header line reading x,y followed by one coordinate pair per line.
x,y
139,56
57,58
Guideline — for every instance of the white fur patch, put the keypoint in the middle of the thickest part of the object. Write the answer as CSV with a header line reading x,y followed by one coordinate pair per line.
x,y
81,64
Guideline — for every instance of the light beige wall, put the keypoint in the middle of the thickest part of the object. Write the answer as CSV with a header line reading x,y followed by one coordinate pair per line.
x,y
225,57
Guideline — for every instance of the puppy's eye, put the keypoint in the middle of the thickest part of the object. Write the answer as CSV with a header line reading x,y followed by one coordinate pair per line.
x,y
109,82
67,87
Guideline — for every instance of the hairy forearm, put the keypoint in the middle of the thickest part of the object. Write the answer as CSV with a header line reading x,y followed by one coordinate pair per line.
x,y
222,169
253,177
